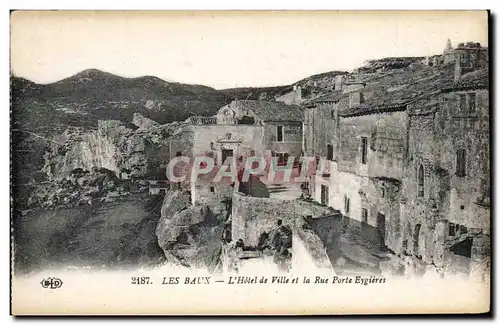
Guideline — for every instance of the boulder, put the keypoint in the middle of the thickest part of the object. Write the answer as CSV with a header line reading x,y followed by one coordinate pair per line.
x,y
142,122
191,235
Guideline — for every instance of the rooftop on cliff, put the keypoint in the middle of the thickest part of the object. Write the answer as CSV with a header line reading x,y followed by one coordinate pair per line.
x,y
392,89
271,111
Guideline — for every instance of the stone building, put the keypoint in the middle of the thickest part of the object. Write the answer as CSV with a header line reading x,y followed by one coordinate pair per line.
x,y
293,97
407,151
240,129
401,148
445,207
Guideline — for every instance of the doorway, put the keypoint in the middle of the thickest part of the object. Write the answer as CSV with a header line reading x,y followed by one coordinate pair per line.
x,y
416,239
226,153
324,194
381,228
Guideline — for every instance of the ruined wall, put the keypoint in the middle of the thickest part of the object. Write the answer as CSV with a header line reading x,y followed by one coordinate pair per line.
x,y
210,192
308,250
251,216
182,143
292,137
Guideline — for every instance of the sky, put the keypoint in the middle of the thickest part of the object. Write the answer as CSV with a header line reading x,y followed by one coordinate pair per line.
x,y
225,49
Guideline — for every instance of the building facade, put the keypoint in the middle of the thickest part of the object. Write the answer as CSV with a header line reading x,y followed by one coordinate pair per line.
x,y
241,129
407,152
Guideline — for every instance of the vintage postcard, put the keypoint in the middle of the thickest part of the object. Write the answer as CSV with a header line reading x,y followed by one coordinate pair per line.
x,y
250,162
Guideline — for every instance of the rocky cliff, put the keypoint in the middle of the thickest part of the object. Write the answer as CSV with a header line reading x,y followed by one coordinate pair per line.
x,y
136,152
191,236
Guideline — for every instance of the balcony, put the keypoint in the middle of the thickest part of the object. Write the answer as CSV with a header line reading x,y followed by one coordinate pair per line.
x,y
203,120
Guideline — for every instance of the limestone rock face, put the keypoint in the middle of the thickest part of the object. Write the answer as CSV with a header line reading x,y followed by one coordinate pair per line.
x,y
191,235
137,153
143,122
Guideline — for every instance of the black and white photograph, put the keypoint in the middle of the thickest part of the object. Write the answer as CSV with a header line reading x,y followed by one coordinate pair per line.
x,y
250,162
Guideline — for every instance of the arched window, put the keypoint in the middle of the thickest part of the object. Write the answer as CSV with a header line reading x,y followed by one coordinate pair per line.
x,y
420,181
460,172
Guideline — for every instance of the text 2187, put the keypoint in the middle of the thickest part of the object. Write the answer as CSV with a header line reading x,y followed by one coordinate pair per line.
x,y
140,280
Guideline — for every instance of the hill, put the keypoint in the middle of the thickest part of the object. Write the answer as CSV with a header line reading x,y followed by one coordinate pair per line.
x,y
92,95
314,85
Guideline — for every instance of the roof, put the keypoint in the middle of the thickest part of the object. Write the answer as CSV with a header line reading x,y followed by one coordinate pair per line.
x,y
391,92
416,88
271,111
478,79
330,97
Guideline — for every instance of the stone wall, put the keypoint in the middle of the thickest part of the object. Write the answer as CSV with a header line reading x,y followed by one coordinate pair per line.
x,y
293,97
243,138
210,192
181,144
308,250
320,129
292,137
386,142
376,195
469,132
449,200
251,216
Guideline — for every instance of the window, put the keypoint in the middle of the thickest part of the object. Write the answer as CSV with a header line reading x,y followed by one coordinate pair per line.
x,y
462,102
245,119
346,204
465,60
329,149
420,181
472,102
279,134
364,216
332,112
178,154
364,143
460,172
212,189
451,229
282,158
383,192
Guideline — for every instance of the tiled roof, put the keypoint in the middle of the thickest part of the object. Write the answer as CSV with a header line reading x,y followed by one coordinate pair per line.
x,y
474,80
331,97
394,91
271,111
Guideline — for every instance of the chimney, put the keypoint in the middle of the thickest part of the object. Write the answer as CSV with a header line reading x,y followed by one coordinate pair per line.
x,y
355,98
298,93
338,81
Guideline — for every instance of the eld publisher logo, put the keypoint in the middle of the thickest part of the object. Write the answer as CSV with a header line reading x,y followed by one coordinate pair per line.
x,y
51,283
